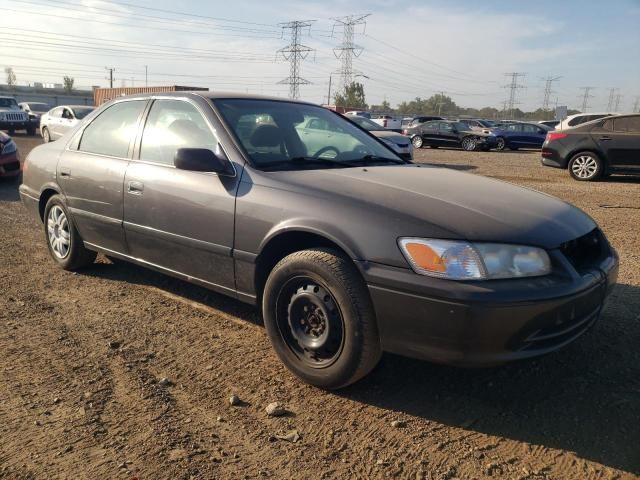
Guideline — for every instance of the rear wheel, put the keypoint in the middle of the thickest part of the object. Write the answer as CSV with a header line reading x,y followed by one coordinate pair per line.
x,y
469,144
417,141
320,319
45,135
63,240
585,166
433,146
500,143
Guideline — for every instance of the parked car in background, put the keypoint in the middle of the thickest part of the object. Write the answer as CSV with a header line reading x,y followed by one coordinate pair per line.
x,y
476,125
520,135
388,121
58,121
549,123
451,134
34,110
344,256
12,118
580,118
596,149
358,113
411,128
400,143
9,158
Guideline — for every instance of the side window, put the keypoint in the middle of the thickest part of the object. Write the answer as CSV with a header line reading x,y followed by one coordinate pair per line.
x,y
627,124
576,121
317,124
56,112
66,113
112,131
445,126
608,125
530,129
512,127
174,124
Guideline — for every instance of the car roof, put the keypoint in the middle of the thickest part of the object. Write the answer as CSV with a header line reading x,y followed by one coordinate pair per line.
x,y
214,96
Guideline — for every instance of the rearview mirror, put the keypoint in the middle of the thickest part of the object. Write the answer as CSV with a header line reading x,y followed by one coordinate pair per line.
x,y
201,160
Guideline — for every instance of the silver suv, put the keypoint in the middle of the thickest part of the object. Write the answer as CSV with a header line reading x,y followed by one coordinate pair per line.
x,y
12,118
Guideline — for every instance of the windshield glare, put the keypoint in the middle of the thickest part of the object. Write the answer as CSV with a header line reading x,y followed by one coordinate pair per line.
x,y
81,112
286,134
366,124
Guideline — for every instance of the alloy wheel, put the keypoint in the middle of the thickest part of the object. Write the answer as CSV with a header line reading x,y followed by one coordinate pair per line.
x,y
500,144
584,167
417,141
58,232
468,144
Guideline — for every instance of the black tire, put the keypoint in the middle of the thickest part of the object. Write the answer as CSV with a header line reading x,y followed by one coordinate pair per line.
x,y
513,148
76,256
417,141
319,296
469,144
11,132
46,136
433,146
586,167
501,144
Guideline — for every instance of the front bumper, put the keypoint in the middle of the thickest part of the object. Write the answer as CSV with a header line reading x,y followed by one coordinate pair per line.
x,y
488,141
10,165
13,125
483,324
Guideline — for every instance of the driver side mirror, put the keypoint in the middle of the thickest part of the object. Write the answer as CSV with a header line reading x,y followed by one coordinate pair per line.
x,y
201,160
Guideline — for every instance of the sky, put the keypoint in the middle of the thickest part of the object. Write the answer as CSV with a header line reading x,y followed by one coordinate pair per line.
x,y
409,48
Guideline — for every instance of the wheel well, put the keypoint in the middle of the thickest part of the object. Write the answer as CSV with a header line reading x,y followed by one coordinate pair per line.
x,y
44,198
282,245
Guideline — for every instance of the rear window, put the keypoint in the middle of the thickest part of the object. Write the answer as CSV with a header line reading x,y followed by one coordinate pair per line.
x,y
627,124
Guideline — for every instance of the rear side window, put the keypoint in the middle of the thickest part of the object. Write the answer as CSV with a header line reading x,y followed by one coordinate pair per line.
x,y
112,131
576,121
530,129
627,124
174,124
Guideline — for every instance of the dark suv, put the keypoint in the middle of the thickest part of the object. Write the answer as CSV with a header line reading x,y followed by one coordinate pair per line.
x,y
448,134
346,249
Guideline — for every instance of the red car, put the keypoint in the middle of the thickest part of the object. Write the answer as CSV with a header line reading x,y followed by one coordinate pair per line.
x,y
10,165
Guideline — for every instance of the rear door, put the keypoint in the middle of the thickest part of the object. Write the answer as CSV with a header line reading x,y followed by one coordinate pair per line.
x,y
91,173
447,135
67,122
619,139
532,135
180,220
53,122
429,132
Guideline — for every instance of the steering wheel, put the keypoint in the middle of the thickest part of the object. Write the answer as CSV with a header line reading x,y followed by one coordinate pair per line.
x,y
324,150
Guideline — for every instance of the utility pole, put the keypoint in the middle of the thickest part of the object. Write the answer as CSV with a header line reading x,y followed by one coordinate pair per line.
x,y
110,77
295,52
513,87
612,98
329,93
586,95
146,75
440,102
617,102
347,49
636,105
548,91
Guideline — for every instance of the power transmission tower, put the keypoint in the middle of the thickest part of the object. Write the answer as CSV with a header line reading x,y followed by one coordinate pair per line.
x,y
617,102
347,49
586,95
513,86
110,78
548,91
636,105
612,98
294,53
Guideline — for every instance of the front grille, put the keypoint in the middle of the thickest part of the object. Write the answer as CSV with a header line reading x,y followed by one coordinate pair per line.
x,y
11,167
14,117
585,252
403,145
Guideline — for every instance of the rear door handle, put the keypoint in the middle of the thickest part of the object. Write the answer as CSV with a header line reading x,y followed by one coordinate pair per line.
x,y
605,139
135,188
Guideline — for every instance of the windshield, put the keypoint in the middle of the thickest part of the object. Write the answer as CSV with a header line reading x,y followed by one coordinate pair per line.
x,y
279,134
39,107
81,112
8,103
367,124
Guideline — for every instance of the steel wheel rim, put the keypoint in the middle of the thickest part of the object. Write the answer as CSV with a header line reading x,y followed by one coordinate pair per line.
x,y
58,232
310,322
584,166
468,144
417,142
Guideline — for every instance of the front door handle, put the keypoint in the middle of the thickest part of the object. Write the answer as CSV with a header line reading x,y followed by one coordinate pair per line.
x,y
135,188
605,139
65,172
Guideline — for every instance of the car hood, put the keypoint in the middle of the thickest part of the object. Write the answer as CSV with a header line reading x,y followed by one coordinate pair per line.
x,y
468,206
391,136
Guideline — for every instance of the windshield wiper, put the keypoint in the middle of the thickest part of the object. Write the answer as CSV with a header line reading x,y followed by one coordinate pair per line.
x,y
297,162
370,159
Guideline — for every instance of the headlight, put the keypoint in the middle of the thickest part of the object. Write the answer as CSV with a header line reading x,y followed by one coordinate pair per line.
x,y
459,260
1,116
9,147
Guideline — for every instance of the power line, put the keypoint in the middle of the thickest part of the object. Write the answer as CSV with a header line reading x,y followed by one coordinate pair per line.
x,y
513,87
548,91
295,52
586,95
347,49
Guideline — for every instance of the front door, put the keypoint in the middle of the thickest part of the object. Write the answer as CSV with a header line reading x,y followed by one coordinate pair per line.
x,y
619,139
180,220
91,174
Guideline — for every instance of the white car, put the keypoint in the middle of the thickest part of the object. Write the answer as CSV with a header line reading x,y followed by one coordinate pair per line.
x,y
399,143
580,118
59,120
388,122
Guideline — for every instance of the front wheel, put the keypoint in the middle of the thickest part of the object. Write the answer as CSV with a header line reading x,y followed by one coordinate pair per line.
x,y
63,240
469,144
46,136
585,166
417,141
320,319
500,144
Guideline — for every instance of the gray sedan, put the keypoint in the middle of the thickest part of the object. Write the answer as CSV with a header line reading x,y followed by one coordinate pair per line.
x,y
347,249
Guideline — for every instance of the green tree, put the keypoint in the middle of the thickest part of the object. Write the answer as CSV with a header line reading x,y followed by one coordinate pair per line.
x,y
11,76
352,97
68,83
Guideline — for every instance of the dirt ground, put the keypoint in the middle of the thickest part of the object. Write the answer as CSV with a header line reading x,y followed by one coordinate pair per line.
x,y
83,357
